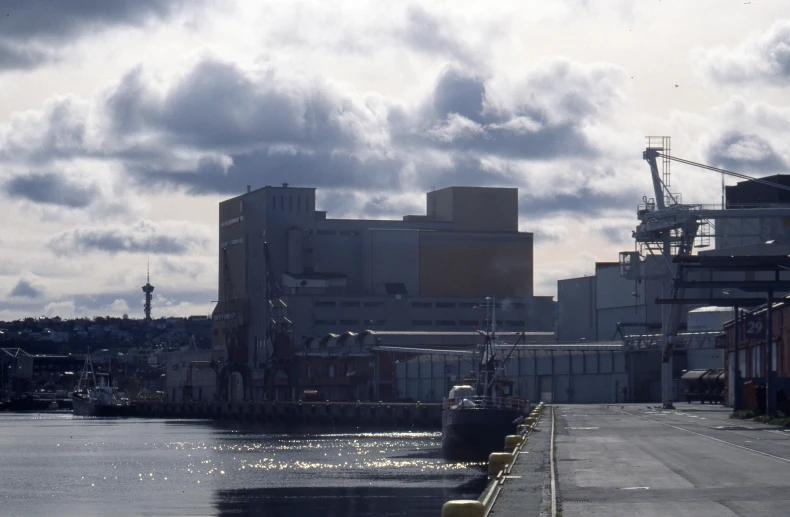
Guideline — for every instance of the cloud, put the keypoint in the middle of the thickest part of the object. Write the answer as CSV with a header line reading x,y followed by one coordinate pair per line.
x,y
735,150
52,189
167,237
32,32
28,287
761,58
745,136
426,33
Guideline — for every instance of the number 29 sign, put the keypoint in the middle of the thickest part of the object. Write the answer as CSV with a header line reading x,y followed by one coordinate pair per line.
x,y
754,326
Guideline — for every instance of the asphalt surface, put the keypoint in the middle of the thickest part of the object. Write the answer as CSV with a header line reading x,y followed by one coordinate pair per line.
x,y
693,461
526,490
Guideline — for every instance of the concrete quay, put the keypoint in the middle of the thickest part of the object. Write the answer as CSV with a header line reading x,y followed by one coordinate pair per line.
x,y
613,460
389,414
639,460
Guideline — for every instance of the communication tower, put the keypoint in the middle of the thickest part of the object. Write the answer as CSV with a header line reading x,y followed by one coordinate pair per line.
x,y
148,289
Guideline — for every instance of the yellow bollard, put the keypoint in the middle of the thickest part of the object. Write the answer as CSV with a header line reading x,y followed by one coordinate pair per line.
x,y
530,421
463,508
513,442
523,429
497,462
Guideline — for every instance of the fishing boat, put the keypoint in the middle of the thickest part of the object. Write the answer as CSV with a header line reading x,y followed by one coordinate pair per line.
x,y
476,416
95,396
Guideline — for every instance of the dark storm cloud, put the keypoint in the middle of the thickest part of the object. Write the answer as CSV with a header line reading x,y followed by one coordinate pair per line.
x,y
459,93
26,288
273,167
582,202
26,23
217,105
51,189
169,237
218,128
738,151
760,59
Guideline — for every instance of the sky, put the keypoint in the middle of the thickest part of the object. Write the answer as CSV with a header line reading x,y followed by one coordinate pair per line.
x,y
124,124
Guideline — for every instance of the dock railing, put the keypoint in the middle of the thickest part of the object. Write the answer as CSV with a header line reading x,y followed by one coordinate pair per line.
x,y
485,402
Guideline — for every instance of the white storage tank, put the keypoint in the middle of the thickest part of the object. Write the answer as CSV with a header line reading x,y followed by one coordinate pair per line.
x,y
709,319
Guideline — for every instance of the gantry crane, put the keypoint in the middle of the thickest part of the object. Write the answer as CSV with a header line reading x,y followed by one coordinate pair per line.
x,y
668,228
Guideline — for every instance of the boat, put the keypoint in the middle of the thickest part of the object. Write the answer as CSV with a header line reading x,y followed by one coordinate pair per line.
x,y
478,414
95,396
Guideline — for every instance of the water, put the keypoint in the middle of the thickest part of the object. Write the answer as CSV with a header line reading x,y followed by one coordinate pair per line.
x,y
58,464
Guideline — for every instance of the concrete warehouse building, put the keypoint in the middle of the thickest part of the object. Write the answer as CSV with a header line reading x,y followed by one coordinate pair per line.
x,y
422,273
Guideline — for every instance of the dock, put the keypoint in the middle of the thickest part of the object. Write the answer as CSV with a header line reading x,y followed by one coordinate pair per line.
x,y
374,414
638,459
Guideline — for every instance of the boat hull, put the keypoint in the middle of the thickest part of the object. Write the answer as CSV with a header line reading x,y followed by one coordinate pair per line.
x,y
85,407
471,434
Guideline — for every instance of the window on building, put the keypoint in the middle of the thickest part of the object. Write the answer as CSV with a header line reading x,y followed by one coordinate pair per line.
x,y
298,203
445,305
290,202
348,232
349,368
375,323
421,304
324,303
200,394
325,322
331,370
282,202
325,232
515,323
349,322
445,323
421,323
274,202
519,305
467,305
469,323
349,304
374,304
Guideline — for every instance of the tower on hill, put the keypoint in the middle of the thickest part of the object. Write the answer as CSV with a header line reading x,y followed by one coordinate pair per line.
x,y
148,289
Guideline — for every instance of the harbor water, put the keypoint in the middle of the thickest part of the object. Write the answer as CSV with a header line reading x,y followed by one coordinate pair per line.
x,y
59,464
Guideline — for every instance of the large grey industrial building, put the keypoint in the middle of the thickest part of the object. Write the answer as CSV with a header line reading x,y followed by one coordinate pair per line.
x,y
422,273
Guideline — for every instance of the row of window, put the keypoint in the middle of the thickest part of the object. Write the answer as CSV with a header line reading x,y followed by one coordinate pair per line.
x,y
235,220
374,323
418,323
421,305
299,206
337,232
328,303
232,243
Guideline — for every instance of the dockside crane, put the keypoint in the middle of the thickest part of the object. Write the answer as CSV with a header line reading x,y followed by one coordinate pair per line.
x,y
669,229
278,340
234,337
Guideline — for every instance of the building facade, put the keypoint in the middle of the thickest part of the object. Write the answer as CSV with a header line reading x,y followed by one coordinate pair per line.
x,y
424,272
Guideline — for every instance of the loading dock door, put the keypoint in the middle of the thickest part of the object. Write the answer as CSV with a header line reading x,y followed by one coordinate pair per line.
x,y
546,389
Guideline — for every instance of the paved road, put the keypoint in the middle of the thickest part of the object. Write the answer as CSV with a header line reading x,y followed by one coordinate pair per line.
x,y
526,490
638,460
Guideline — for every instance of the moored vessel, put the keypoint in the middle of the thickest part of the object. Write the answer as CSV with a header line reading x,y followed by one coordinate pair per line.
x,y
477,416
95,396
